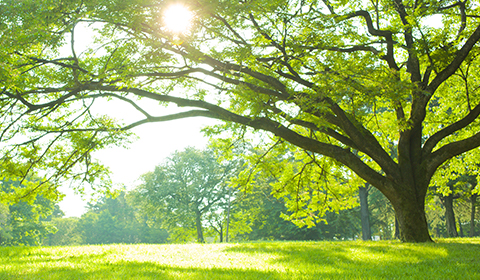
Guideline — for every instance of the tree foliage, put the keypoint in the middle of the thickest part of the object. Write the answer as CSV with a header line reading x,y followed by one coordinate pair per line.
x,y
117,220
67,233
374,86
187,190
26,223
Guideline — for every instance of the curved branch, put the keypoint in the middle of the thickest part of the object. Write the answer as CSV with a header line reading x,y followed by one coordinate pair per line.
x,y
365,140
342,155
463,14
437,158
449,130
388,35
34,107
251,86
182,115
455,64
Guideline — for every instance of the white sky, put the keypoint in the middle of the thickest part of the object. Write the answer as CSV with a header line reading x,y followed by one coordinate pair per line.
x,y
155,142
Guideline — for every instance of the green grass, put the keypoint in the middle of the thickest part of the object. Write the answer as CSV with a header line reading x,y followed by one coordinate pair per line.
x,y
446,259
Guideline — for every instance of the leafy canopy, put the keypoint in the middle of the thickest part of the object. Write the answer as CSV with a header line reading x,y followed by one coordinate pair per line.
x,y
388,89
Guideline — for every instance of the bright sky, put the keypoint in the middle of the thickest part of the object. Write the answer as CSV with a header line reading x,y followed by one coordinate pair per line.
x,y
156,142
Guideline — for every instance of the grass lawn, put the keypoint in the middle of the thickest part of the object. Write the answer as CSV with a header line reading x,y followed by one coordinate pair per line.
x,y
446,259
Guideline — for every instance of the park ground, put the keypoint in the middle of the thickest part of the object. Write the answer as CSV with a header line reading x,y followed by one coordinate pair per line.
x,y
444,259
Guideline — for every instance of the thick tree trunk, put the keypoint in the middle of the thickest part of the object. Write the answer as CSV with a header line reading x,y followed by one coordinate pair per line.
x,y
198,224
412,222
366,233
450,216
473,201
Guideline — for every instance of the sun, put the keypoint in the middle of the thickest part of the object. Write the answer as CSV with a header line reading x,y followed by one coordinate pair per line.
x,y
178,18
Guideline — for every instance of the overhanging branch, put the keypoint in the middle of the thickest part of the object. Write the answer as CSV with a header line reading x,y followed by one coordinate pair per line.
x,y
213,111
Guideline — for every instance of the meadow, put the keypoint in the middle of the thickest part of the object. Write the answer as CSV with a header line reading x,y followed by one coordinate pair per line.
x,y
445,259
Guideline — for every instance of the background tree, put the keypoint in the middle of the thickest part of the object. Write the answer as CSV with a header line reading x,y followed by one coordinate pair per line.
x,y
473,207
364,212
436,216
338,79
26,222
117,220
186,190
465,204
268,224
456,185
4,224
447,201
67,234
382,215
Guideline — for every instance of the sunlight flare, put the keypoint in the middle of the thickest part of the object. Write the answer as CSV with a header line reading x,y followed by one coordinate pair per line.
x,y
178,18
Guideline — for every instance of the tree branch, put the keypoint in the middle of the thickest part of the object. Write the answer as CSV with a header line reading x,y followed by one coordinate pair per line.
x,y
451,129
437,158
413,65
388,35
342,155
455,64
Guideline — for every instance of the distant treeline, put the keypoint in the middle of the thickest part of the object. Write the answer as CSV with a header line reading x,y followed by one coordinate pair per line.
x,y
190,198
116,220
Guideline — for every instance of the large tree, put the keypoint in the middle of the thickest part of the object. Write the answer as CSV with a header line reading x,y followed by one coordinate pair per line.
x,y
355,81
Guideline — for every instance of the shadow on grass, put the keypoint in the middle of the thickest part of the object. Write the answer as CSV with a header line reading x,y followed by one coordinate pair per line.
x,y
373,260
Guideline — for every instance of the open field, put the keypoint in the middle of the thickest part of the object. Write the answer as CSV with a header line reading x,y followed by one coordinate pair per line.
x,y
446,259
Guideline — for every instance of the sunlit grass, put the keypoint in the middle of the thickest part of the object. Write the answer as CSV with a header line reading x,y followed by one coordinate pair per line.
x,y
446,259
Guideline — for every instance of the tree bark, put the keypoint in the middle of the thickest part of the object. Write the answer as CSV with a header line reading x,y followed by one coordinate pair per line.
x,y
221,234
198,225
410,213
219,230
460,227
366,232
450,216
397,230
473,201
228,215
